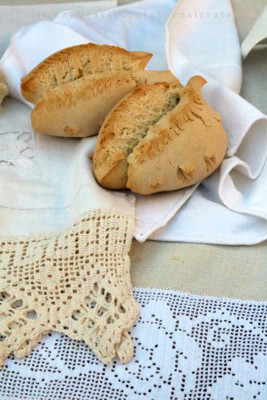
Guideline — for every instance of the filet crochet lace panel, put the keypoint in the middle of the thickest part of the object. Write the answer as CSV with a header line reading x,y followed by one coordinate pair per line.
x,y
187,347
76,282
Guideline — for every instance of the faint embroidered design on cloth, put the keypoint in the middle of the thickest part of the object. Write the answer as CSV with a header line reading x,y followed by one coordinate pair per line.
x,y
17,149
186,347
76,281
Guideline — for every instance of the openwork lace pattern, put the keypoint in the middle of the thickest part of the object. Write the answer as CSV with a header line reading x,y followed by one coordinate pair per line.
x,y
186,347
76,282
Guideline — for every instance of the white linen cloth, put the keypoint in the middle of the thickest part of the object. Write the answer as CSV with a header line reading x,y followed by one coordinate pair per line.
x,y
186,347
46,183
227,208
11,17
257,35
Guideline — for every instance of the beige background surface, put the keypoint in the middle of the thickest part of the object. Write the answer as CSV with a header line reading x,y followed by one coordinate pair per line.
x,y
225,271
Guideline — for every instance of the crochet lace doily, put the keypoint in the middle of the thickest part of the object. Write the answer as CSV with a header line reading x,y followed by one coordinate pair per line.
x,y
186,347
76,282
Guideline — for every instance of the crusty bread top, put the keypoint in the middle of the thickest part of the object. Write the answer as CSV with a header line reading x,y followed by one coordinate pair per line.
x,y
89,86
191,105
3,88
74,62
148,77
159,137
185,146
77,109
129,122
85,88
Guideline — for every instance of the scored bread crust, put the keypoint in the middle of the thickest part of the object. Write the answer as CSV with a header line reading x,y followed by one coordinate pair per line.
x,y
77,109
75,62
184,146
125,126
3,89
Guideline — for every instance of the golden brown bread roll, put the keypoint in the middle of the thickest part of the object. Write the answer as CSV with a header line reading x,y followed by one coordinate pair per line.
x,y
75,62
77,109
160,137
75,88
3,89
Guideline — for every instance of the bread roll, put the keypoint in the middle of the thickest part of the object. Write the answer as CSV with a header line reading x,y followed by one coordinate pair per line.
x,y
160,137
3,89
75,62
74,89
77,109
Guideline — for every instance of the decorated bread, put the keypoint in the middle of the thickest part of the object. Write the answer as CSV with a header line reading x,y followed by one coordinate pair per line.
x,y
77,109
3,89
160,137
74,89
76,62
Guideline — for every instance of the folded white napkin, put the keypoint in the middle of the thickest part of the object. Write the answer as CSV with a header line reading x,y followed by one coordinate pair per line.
x,y
240,184
201,39
257,35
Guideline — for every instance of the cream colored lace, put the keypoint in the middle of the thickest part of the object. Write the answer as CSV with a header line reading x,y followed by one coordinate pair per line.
x,y
76,282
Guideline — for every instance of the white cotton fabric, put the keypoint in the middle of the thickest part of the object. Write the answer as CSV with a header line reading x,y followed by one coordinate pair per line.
x,y
47,182
198,38
186,347
258,34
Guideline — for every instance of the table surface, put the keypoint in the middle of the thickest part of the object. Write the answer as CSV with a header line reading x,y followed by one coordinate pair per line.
x,y
224,271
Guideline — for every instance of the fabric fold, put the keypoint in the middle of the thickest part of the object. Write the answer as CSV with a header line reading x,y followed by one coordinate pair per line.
x,y
189,49
240,183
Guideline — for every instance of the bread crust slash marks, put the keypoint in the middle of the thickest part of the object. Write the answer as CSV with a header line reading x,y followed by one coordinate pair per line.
x,y
129,122
184,174
74,89
210,161
3,89
75,62
77,108
70,131
188,109
155,183
160,137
